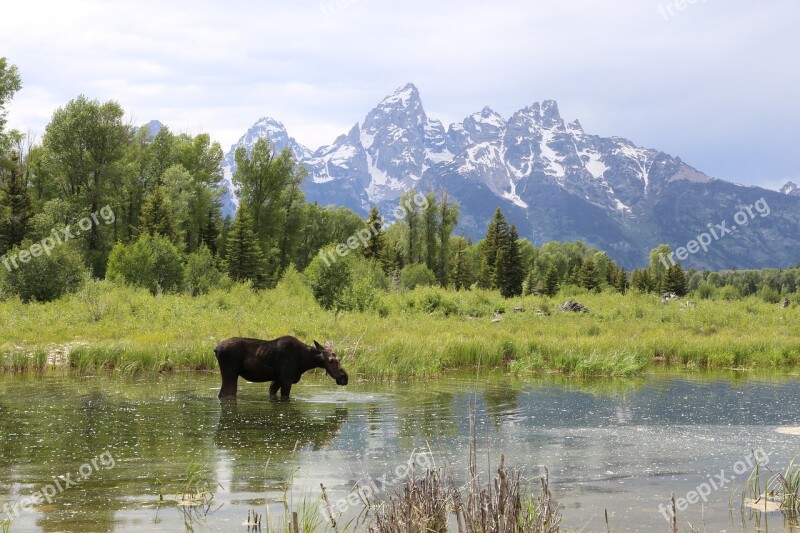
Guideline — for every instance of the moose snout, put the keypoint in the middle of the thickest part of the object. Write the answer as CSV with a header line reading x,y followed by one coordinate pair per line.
x,y
342,379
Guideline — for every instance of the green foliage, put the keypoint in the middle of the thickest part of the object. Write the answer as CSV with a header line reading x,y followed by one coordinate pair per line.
x,y
329,277
152,262
244,259
15,203
202,273
675,280
10,83
83,150
45,277
769,294
157,215
416,275
551,281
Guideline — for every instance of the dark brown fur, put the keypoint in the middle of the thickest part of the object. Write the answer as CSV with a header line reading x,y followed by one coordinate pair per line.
x,y
281,361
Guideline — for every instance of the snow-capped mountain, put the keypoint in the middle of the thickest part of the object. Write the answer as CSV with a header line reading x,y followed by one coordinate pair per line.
x,y
791,188
552,179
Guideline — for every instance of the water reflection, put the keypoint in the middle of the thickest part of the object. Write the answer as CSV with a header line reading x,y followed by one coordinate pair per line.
x,y
624,446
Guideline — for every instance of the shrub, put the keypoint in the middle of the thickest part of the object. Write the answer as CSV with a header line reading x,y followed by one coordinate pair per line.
x,y
152,262
705,291
729,293
769,295
416,275
46,277
329,278
202,273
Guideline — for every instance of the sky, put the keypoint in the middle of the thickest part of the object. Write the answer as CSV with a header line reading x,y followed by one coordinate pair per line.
x,y
714,82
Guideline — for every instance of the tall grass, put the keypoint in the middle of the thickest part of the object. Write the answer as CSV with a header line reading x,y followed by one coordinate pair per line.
x,y
420,333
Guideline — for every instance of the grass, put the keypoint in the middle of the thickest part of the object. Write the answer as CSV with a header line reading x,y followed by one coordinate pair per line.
x,y
415,334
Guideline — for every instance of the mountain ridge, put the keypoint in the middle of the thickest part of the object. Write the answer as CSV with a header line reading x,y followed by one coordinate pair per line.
x,y
536,167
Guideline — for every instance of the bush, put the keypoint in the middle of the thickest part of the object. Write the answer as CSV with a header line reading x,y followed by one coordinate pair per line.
x,y
705,291
413,276
329,276
769,295
202,273
729,293
46,277
152,262
350,283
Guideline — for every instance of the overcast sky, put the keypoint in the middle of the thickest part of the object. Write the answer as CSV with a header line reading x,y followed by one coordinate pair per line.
x,y
715,82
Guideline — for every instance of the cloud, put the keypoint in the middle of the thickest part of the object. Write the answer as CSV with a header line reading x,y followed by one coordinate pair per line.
x,y
710,84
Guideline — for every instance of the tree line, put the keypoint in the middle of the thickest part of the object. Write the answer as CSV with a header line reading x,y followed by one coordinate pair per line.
x,y
168,233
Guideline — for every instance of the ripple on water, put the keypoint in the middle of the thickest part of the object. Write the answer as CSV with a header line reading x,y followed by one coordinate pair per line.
x,y
346,397
789,430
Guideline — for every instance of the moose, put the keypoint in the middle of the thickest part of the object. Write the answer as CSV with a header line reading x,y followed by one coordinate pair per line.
x,y
282,361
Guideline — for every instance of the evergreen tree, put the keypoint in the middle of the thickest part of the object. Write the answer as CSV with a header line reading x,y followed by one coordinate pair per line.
x,y
461,272
448,219
431,221
641,280
509,272
589,278
496,232
15,204
244,258
675,280
376,246
621,280
551,281
157,215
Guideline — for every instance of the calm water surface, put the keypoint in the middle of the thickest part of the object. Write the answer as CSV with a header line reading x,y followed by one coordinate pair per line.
x,y
620,446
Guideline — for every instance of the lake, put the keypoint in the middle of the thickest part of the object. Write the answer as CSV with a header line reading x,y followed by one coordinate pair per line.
x,y
106,449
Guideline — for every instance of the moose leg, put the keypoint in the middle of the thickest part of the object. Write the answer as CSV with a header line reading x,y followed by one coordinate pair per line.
x,y
286,388
230,383
273,388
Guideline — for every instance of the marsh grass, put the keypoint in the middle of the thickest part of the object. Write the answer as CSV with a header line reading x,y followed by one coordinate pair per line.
x,y
416,334
766,492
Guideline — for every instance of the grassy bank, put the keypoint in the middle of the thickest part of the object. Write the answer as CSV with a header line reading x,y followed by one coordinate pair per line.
x,y
416,334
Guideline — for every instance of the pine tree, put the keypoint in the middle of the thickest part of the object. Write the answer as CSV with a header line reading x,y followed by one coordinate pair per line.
x,y
621,280
509,272
375,248
642,281
244,257
551,281
460,265
675,280
588,276
157,217
495,233
15,204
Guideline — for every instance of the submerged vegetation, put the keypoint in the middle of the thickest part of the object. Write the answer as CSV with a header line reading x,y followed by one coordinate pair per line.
x,y
416,333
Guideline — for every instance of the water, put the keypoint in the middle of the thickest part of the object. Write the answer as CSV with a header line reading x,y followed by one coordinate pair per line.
x,y
621,446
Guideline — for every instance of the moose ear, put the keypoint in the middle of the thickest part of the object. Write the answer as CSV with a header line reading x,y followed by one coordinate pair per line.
x,y
329,345
317,346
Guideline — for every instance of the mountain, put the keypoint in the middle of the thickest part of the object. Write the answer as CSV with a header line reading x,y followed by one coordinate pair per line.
x,y
551,178
791,188
153,127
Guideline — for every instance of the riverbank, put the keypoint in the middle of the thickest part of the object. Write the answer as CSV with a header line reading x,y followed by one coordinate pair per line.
x,y
420,333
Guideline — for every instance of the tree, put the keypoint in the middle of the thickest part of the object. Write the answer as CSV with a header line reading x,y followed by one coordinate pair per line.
x,y
430,226
84,146
10,84
448,219
675,280
244,258
268,185
510,272
496,232
462,274
621,280
15,204
152,262
157,215
589,277
44,278
202,273
551,281
375,248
